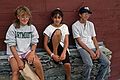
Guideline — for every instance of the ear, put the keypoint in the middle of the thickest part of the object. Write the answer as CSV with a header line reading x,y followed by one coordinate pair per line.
x,y
79,15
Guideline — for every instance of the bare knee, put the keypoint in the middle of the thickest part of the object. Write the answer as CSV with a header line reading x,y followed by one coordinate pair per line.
x,y
57,34
67,65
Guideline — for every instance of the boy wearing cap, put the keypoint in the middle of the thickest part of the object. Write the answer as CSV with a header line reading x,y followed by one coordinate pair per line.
x,y
87,45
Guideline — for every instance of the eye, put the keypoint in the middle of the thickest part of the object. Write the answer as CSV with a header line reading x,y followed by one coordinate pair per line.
x,y
57,17
25,17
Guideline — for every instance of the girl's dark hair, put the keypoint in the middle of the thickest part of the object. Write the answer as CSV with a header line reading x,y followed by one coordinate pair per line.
x,y
18,11
56,11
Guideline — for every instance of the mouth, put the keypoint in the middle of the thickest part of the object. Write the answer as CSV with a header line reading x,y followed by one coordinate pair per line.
x,y
24,21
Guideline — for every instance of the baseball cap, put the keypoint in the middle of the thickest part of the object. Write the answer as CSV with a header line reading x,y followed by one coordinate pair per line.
x,y
84,10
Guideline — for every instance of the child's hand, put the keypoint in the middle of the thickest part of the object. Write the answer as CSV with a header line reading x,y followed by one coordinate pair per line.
x,y
56,58
63,56
30,57
92,54
97,53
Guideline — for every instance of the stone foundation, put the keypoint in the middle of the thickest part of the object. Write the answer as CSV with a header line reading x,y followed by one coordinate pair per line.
x,y
51,70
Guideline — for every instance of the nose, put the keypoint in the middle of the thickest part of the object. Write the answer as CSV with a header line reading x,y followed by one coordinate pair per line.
x,y
57,18
25,17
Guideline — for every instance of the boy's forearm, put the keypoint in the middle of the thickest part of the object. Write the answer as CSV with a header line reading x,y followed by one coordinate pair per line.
x,y
83,45
95,42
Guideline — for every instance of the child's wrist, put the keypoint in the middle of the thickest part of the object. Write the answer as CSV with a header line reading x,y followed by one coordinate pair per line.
x,y
33,51
51,55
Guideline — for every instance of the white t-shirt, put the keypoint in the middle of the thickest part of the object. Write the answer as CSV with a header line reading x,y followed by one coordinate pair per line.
x,y
84,32
50,29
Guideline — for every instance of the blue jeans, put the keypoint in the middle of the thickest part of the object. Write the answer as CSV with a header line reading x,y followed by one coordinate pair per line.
x,y
87,60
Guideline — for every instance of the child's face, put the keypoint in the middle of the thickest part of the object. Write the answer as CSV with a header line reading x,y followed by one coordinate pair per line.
x,y
84,16
23,18
57,19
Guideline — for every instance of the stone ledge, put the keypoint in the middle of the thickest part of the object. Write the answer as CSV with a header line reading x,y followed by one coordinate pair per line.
x,y
51,70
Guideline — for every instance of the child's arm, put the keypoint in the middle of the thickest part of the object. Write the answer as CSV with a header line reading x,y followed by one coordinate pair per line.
x,y
92,54
95,42
46,45
16,56
11,42
32,54
33,48
96,46
34,41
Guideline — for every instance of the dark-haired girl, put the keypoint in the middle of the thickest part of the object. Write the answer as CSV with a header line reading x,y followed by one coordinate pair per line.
x,y
56,41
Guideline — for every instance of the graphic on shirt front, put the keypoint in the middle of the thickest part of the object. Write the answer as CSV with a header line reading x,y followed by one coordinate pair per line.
x,y
23,34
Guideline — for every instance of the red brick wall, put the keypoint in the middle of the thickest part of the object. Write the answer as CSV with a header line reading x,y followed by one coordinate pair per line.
x,y
106,17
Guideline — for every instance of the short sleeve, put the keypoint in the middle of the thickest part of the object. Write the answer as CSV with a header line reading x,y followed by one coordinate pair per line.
x,y
47,31
75,31
93,34
66,30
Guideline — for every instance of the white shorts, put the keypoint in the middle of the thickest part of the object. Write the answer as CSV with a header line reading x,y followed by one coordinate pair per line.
x,y
21,55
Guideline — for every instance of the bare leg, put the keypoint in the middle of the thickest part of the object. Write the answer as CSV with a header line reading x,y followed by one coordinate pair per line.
x,y
68,71
38,68
15,69
56,40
